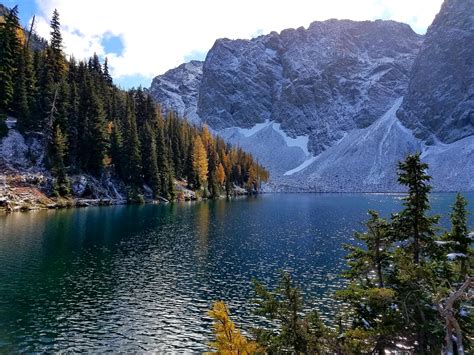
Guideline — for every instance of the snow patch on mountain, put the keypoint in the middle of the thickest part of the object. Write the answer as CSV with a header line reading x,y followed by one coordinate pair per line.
x,y
300,167
299,141
248,132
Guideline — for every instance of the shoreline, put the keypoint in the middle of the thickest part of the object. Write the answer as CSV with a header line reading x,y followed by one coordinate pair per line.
x,y
72,203
8,207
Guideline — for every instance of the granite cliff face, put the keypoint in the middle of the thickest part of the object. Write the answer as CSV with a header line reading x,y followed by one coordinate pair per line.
x,y
177,89
335,106
321,82
439,104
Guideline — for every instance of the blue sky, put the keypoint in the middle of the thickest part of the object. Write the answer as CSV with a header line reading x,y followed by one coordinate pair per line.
x,y
27,9
145,38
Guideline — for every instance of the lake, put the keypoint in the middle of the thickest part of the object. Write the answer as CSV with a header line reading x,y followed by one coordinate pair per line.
x,y
135,278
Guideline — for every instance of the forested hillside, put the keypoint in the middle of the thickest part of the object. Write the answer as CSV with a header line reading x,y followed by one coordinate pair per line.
x,y
88,125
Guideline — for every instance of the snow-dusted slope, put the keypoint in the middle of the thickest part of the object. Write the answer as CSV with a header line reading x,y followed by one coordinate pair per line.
x,y
363,160
366,160
271,145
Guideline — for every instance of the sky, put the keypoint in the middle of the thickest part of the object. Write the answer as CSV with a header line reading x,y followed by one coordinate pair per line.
x,y
145,38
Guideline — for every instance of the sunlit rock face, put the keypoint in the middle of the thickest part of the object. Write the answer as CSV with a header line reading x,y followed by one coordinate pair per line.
x,y
333,107
439,104
178,89
322,81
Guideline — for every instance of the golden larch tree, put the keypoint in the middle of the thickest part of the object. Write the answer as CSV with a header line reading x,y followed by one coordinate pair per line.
x,y
200,164
207,139
220,174
228,339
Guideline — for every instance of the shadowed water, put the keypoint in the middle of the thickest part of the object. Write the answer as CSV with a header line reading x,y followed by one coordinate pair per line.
x,y
134,278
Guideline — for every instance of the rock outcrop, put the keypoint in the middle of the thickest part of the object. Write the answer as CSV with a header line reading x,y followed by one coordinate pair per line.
x,y
439,104
178,89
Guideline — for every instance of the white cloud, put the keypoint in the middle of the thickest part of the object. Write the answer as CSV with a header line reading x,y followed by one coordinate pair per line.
x,y
158,35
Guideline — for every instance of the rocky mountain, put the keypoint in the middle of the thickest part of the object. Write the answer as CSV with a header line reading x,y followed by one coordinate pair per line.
x,y
333,107
177,90
439,104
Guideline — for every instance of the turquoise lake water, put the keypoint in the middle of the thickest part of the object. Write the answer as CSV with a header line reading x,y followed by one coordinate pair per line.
x,y
135,278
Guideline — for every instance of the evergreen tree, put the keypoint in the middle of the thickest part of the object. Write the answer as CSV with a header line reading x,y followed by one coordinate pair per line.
x,y
413,224
58,148
413,279
368,264
97,134
107,77
117,150
163,161
55,55
295,333
214,187
10,52
73,123
460,243
20,104
150,160
373,314
133,169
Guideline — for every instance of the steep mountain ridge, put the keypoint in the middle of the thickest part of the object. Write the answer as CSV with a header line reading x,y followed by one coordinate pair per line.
x,y
335,106
439,104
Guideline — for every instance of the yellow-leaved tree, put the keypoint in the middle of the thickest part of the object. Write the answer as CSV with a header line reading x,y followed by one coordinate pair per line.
x,y
220,174
228,339
200,162
206,137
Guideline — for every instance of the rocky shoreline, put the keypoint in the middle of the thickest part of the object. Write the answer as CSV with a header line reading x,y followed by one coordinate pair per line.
x,y
20,192
26,184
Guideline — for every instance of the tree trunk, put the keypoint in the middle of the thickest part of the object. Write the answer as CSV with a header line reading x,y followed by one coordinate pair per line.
x,y
447,312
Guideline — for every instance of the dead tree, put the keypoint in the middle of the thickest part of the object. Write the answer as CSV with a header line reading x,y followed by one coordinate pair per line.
x,y
446,309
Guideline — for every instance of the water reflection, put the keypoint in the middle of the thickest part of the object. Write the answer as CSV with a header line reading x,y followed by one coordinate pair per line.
x,y
130,278
202,228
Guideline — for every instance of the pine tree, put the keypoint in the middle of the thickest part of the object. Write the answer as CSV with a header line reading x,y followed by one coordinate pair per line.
x,y
150,160
460,243
57,149
413,278
20,104
10,51
107,77
73,122
213,160
371,300
369,263
97,134
55,55
295,333
413,224
132,146
31,89
46,95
